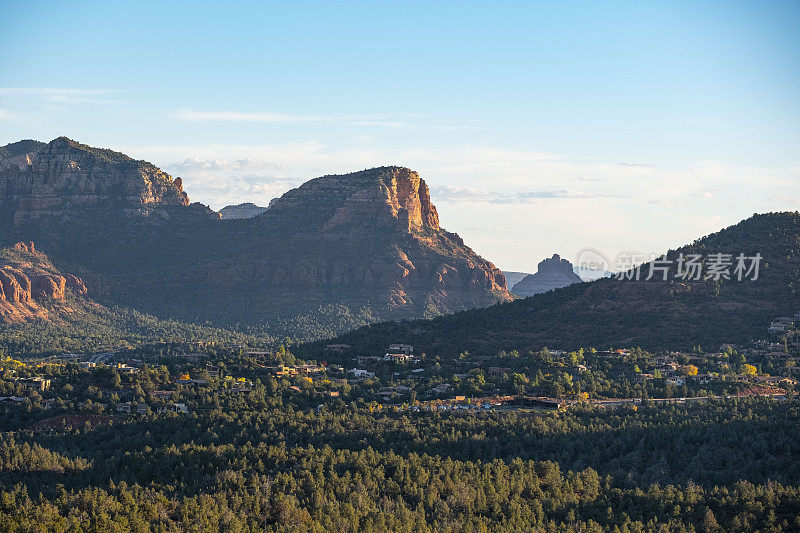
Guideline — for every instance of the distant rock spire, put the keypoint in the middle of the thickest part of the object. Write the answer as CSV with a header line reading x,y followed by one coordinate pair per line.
x,y
553,273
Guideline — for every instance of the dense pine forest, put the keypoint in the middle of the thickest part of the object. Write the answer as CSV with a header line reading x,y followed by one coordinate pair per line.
x,y
419,267
279,455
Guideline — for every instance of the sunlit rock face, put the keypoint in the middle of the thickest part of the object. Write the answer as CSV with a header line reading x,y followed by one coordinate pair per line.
x,y
367,242
27,278
38,179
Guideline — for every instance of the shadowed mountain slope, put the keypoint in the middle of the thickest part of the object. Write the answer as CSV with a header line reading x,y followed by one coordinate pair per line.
x,y
336,252
676,313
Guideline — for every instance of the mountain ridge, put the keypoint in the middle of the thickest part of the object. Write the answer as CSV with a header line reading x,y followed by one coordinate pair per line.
x,y
673,314
243,210
368,242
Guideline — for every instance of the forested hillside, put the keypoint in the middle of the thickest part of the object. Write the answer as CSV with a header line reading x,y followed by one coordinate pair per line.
x,y
267,459
673,314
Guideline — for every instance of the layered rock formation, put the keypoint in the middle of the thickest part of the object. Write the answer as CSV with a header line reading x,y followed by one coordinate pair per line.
x,y
368,243
388,212
367,238
392,197
27,277
245,210
39,179
553,273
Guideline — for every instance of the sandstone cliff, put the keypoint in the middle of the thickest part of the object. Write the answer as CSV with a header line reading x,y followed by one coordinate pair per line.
x,y
367,243
39,179
27,277
377,229
553,273
391,197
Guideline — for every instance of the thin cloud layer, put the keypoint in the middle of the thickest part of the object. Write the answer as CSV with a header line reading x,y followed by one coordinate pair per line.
x,y
466,174
284,118
449,193
530,204
60,95
220,182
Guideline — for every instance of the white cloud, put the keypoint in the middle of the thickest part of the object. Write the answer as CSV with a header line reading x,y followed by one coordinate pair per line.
x,y
197,164
515,207
284,118
786,200
450,193
60,95
469,174
703,194
634,164
221,182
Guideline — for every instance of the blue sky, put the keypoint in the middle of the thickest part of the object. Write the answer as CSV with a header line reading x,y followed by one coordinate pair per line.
x,y
541,127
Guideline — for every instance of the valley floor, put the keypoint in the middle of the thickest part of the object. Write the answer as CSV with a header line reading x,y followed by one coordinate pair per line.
x,y
235,441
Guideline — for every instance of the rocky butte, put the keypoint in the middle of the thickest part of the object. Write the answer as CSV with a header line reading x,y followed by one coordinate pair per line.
x,y
553,273
26,278
338,251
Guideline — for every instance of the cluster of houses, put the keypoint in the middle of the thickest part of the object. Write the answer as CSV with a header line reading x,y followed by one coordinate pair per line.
x,y
360,373
783,324
142,408
128,407
396,353
439,390
237,384
124,368
388,393
776,381
121,399
35,383
674,374
296,370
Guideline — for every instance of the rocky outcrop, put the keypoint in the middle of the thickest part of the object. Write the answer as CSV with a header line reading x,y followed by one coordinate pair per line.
x,y
387,210
49,287
13,291
368,240
75,284
553,273
245,210
25,247
27,277
50,179
387,197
